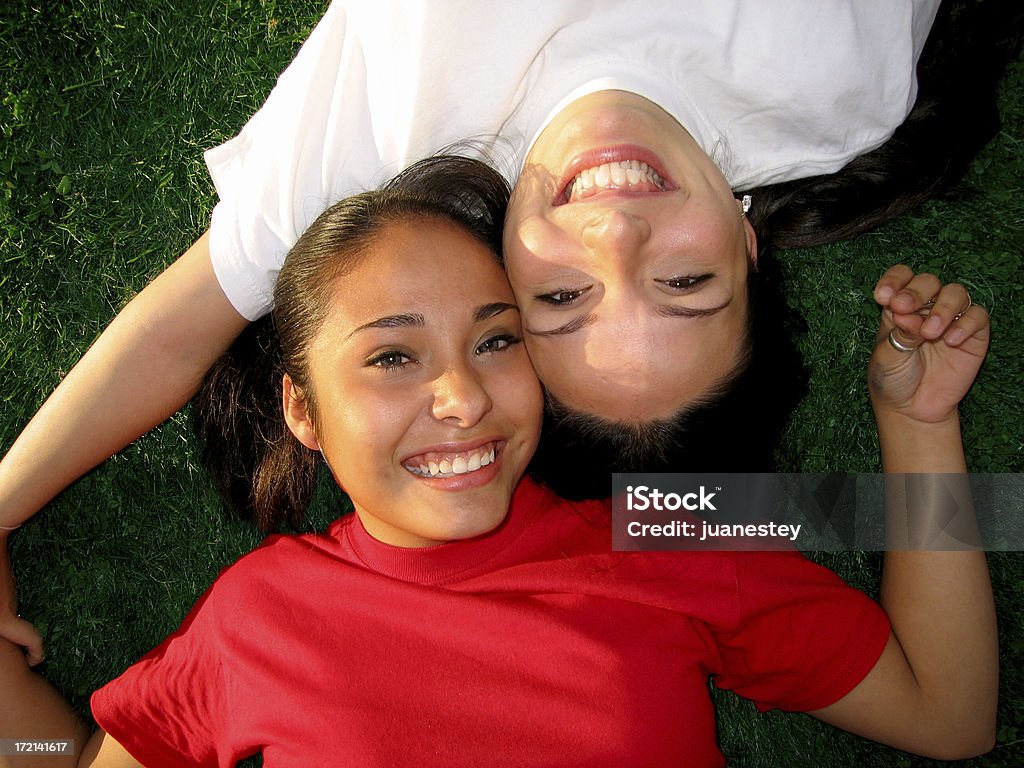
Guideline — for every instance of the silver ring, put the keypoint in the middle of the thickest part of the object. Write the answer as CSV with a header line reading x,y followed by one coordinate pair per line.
x,y
898,345
963,311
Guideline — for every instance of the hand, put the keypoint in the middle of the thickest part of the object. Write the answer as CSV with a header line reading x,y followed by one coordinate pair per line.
x,y
12,627
949,336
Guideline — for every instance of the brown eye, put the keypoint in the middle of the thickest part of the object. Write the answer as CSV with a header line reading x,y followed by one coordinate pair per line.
x,y
389,360
683,282
562,298
497,344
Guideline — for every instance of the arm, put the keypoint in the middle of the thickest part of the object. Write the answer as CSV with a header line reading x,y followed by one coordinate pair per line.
x,y
152,357
934,689
33,709
167,709
145,366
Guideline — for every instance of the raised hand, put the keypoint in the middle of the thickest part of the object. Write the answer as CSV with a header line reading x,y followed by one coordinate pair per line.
x,y
931,342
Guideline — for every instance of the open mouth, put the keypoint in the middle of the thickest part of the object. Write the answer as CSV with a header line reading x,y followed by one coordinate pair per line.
x,y
436,464
633,176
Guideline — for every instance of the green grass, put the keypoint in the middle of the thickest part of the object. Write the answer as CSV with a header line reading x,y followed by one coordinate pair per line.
x,y
105,108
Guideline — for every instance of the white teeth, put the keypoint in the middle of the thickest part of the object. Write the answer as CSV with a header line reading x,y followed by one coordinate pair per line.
x,y
615,176
457,465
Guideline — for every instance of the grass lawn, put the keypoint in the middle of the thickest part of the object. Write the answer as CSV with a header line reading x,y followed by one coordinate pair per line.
x,y
105,108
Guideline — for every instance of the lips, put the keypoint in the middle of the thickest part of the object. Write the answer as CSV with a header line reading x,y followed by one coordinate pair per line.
x,y
445,464
631,175
621,170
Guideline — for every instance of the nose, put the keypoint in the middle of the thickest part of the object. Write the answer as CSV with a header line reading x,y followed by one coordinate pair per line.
x,y
615,240
460,397
615,233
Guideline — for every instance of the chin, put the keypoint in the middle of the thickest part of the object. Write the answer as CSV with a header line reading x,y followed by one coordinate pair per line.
x,y
478,520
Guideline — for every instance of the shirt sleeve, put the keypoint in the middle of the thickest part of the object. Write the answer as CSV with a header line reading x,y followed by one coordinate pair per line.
x,y
802,638
167,709
290,161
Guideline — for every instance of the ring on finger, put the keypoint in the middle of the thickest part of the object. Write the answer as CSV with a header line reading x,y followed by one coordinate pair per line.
x,y
963,311
925,309
898,345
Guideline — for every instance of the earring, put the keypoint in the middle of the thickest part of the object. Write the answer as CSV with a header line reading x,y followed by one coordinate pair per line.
x,y
745,203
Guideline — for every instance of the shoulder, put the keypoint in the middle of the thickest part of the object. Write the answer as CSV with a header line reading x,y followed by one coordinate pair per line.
x,y
280,560
549,517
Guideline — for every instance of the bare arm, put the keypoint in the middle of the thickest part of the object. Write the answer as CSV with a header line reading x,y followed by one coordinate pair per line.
x,y
934,690
145,366
32,709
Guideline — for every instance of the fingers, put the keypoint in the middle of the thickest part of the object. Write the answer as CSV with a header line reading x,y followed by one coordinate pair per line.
x,y
973,323
903,292
890,283
21,632
950,304
920,308
900,341
916,295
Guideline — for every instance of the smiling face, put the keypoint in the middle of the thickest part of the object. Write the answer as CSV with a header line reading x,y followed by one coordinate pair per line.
x,y
629,258
426,406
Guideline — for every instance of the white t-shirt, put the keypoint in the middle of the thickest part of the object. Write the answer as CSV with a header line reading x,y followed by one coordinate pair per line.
x,y
773,91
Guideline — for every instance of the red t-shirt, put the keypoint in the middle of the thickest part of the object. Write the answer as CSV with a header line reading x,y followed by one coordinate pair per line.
x,y
533,645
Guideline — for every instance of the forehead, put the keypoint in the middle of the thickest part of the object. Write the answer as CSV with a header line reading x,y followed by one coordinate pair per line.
x,y
431,265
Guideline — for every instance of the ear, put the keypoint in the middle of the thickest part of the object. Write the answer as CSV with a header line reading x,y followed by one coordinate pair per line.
x,y
743,203
296,414
751,236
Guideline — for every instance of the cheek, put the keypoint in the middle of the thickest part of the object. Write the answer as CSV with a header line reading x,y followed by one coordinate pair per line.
x,y
569,366
549,365
711,229
360,441
518,262
532,248
520,392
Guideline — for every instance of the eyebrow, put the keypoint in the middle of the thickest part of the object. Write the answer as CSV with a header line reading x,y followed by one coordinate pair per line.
x,y
415,320
391,321
488,311
662,310
571,327
671,310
